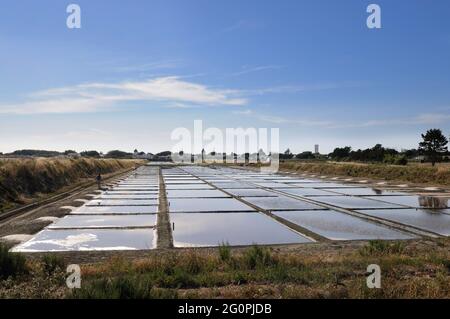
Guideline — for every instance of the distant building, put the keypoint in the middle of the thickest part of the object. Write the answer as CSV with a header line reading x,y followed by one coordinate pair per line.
x,y
316,149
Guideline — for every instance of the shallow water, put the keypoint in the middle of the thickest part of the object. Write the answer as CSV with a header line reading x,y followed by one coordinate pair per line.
x,y
95,210
89,240
354,202
307,192
281,203
415,201
122,202
432,221
207,205
209,229
339,226
195,193
251,192
102,221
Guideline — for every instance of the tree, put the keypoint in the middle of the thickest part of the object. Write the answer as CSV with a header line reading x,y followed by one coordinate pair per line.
x,y
94,154
165,153
287,154
341,153
305,155
118,154
434,144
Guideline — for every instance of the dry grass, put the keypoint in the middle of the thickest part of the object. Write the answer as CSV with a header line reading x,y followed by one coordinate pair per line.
x,y
420,174
21,179
416,269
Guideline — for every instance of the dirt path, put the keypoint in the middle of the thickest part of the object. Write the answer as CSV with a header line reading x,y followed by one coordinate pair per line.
x,y
164,228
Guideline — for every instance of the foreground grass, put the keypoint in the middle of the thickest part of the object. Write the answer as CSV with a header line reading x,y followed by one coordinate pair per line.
x,y
22,179
409,270
419,174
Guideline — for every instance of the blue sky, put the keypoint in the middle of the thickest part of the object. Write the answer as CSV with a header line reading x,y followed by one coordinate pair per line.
x,y
137,70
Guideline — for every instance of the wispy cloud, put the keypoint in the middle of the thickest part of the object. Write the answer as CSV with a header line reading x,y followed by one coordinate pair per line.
x,y
282,120
241,24
94,97
421,119
247,70
169,64
290,89
243,112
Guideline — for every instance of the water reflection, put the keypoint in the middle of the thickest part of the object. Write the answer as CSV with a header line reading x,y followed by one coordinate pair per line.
x,y
433,202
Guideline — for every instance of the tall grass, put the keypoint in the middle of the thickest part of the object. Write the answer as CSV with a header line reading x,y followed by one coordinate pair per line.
x,y
52,263
379,247
11,264
255,272
131,287
23,178
410,173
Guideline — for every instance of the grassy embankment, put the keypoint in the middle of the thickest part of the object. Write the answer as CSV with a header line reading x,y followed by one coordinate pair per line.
x,y
409,270
22,180
412,173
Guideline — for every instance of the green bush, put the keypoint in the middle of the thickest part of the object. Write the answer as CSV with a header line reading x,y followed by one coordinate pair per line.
x,y
11,264
379,247
258,257
52,263
224,252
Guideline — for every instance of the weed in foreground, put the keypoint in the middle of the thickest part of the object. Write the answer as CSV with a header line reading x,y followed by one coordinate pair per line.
x,y
224,251
124,287
52,263
381,248
11,264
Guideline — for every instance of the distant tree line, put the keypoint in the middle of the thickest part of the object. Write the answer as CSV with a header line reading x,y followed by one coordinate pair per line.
x,y
433,148
378,153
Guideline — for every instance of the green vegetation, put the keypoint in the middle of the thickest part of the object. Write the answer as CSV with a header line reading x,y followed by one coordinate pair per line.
x,y
132,287
414,269
225,252
21,179
11,264
434,145
379,248
118,154
92,154
38,153
376,154
259,272
52,263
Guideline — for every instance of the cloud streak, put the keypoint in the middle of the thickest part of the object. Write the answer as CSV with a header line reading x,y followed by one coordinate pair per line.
x,y
248,70
421,119
96,97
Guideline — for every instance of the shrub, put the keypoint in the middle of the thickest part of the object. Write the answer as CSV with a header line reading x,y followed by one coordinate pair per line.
x,y
52,263
224,252
379,247
11,264
128,287
258,256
